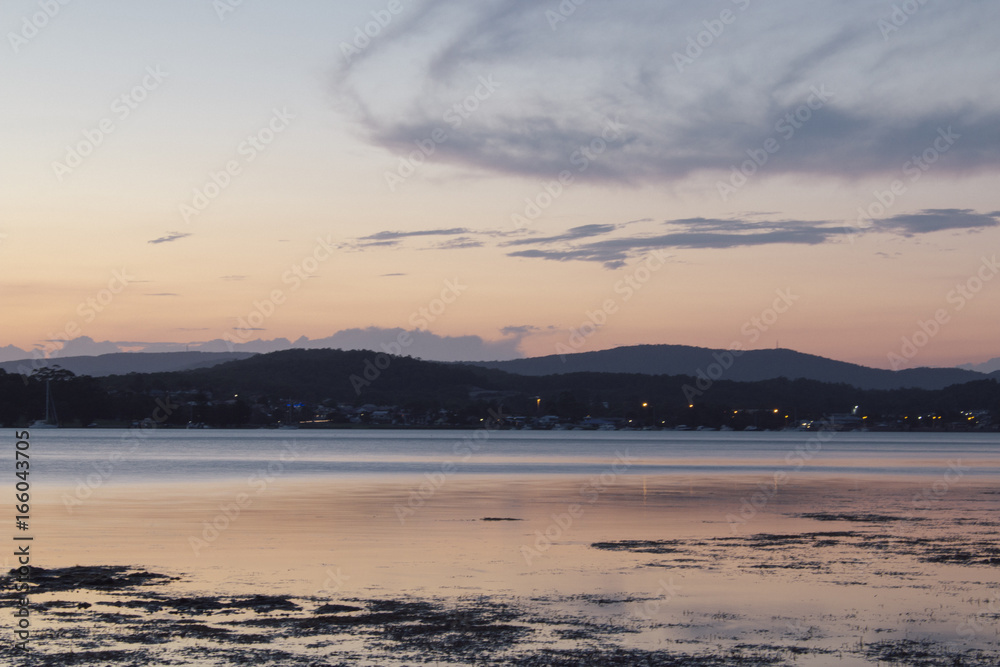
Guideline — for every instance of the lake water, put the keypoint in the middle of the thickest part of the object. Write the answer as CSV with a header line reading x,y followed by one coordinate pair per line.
x,y
791,548
67,456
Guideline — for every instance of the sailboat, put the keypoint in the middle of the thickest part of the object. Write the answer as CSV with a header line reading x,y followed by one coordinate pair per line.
x,y
51,420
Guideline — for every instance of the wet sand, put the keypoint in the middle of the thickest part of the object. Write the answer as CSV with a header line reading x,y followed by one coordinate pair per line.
x,y
619,569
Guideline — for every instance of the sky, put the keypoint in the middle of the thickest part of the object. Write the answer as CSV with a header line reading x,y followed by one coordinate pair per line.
x,y
498,179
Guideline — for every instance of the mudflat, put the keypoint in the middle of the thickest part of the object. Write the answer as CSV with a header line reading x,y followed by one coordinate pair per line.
x,y
614,569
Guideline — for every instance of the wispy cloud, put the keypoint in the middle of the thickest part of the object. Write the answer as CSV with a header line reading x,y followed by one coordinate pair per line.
x,y
384,236
460,243
690,233
393,237
372,244
681,121
171,236
523,330
936,220
424,344
610,243
724,233
87,346
573,234
466,238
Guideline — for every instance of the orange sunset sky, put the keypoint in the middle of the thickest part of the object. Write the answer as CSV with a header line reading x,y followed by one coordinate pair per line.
x,y
496,174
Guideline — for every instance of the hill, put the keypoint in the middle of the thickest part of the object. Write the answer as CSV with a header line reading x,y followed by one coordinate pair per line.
x,y
340,375
120,363
750,366
339,386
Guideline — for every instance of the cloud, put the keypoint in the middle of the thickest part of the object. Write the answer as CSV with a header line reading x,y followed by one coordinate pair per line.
x,y
572,234
561,85
392,238
423,344
725,233
991,366
466,238
936,220
215,345
171,236
460,243
375,244
85,346
609,244
689,233
13,353
386,236
523,330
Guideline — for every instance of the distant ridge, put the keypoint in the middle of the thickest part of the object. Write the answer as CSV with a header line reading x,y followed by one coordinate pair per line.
x,y
120,363
991,366
750,366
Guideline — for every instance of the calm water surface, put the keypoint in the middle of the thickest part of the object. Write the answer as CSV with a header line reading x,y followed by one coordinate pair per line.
x,y
873,547
67,455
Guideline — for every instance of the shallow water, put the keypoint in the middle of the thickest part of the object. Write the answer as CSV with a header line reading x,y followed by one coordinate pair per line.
x,y
688,544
